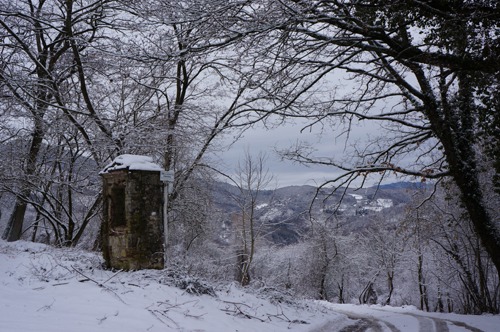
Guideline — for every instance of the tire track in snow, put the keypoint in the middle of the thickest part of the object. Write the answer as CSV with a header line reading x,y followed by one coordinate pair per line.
x,y
465,326
441,325
429,324
362,323
425,324
367,322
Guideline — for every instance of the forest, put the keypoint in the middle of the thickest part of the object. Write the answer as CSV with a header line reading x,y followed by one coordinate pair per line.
x,y
84,81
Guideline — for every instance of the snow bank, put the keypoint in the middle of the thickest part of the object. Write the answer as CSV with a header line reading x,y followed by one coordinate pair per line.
x,y
133,163
47,289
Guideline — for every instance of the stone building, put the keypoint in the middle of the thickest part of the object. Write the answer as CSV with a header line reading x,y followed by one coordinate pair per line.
x,y
132,229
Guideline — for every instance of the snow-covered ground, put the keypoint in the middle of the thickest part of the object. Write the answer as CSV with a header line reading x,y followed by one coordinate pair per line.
x,y
47,289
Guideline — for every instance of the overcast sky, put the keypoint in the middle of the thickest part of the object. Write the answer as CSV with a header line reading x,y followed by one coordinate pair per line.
x,y
327,142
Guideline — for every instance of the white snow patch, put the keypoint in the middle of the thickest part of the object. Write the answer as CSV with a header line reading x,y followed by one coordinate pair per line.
x,y
379,204
356,197
373,208
271,214
260,206
384,202
133,163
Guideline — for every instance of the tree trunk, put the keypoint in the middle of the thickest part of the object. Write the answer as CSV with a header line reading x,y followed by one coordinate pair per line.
x,y
88,217
422,288
454,123
15,225
439,304
340,287
390,285
325,262
242,272
464,170
14,228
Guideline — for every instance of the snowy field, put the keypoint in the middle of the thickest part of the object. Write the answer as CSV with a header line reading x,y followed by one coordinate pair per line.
x,y
46,289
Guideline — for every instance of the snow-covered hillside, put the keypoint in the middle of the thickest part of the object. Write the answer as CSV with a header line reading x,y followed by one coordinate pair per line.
x,y
287,211
47,289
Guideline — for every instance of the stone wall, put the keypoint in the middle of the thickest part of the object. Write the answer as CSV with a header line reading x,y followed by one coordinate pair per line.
x,y
132,229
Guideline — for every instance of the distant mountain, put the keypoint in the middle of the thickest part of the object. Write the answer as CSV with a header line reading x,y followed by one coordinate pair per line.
x,y
406,185
286,213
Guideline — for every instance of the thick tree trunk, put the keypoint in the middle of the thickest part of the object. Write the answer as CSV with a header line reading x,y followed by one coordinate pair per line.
x,y
464,170
454,123
484,225
15,225
14,228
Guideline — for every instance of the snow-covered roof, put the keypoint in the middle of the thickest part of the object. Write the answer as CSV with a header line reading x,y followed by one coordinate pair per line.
x,y
133,163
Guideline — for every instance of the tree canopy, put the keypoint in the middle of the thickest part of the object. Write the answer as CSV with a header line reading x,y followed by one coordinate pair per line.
x,y
101,78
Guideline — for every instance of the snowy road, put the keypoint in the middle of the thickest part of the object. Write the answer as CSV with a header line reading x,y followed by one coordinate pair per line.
x,y
380,320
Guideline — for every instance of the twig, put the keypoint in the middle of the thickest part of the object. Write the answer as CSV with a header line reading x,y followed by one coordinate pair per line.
x,y
100,284
87,278
47,306
238,311
237,303
280,314
100,320
114,275
135,285
156,312
187,314
169,306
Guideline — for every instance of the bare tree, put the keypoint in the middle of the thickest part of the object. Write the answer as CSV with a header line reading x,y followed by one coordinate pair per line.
x,y
251,179
68,61
40,41
386,246
429,83
199,91
450,267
